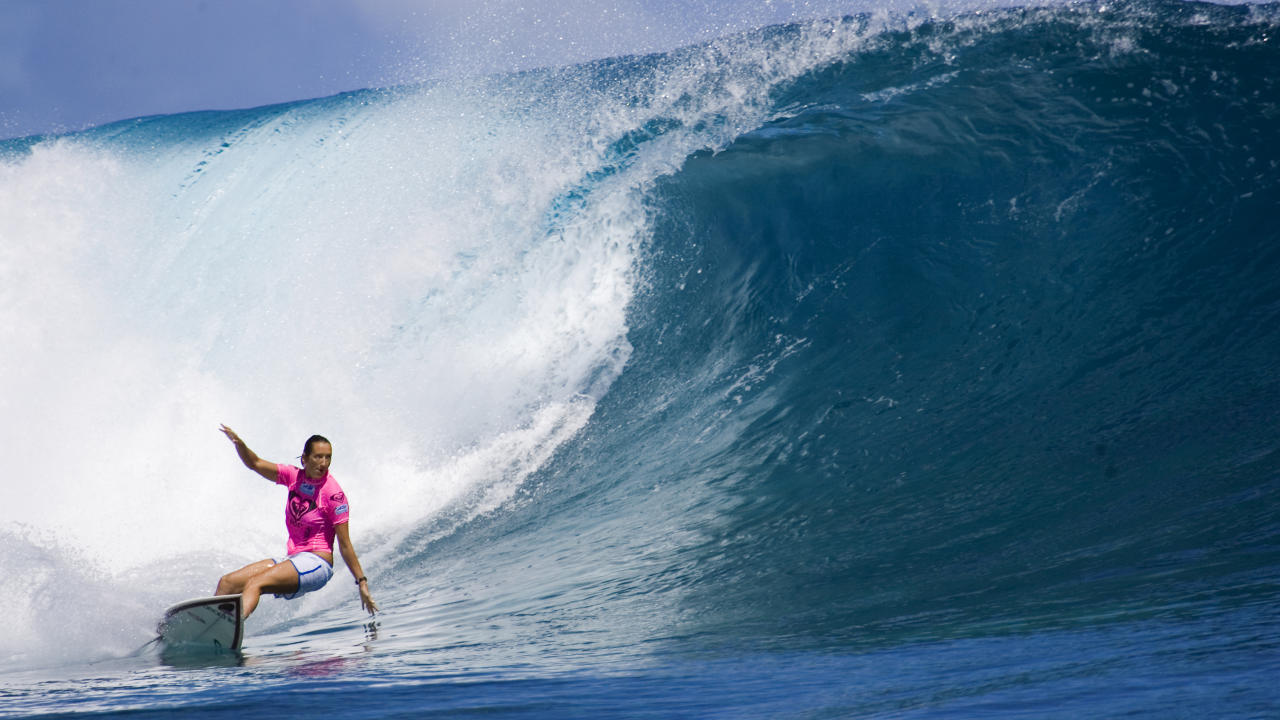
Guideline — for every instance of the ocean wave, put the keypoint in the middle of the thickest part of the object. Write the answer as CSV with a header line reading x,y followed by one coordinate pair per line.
x,y
825,334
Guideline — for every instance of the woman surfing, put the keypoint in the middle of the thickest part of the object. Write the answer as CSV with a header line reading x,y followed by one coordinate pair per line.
x,y
316,512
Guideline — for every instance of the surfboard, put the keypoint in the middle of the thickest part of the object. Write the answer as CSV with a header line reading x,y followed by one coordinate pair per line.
x,y
210,624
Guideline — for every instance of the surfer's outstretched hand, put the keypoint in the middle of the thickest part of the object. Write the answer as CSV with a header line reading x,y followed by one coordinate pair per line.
x,y
231,434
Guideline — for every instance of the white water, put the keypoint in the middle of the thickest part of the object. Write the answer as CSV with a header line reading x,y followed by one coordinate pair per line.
x,y
401,273
377,273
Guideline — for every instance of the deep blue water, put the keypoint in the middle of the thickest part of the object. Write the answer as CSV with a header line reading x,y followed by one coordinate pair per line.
x,y
907,367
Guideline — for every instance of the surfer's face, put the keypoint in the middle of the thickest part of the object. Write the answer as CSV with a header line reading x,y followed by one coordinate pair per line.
x,y
316,464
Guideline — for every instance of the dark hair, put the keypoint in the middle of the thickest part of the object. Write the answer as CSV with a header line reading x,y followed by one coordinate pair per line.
x,y
306,449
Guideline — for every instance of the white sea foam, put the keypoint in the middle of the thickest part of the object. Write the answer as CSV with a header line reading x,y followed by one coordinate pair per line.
x,y
378,273
437,279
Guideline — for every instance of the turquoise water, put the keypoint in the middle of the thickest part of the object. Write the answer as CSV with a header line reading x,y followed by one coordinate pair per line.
x,y
879,367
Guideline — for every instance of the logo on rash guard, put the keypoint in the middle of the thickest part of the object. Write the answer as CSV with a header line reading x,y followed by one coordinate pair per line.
x,y
299,506
338,497
307,489
342,510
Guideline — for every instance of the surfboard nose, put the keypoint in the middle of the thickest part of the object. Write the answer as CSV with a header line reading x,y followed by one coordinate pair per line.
x,y
209,624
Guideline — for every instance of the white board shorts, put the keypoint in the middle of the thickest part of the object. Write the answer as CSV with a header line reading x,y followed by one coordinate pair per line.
x,y
313,574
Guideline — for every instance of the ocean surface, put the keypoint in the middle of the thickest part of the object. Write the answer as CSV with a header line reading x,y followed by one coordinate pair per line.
x,y
885,366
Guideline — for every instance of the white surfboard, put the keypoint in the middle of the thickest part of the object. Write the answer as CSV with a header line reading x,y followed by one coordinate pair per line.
x,y
202,625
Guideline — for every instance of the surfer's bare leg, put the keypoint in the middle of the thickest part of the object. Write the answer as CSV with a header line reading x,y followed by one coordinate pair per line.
x,y
279,578
234,582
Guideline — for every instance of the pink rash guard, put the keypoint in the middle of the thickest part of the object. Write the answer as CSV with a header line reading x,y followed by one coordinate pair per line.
x,y
312,511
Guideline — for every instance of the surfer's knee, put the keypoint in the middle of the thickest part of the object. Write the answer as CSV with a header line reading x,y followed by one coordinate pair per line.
x,y
236,580
233,582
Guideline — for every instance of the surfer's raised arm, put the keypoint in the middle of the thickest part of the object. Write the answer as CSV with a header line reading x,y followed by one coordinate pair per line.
x,y
265,468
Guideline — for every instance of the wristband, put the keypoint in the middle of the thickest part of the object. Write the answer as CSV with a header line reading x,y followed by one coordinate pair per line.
x,y
362,579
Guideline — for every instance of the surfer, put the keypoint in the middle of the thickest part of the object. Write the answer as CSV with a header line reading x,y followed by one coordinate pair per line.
x,y
316,513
